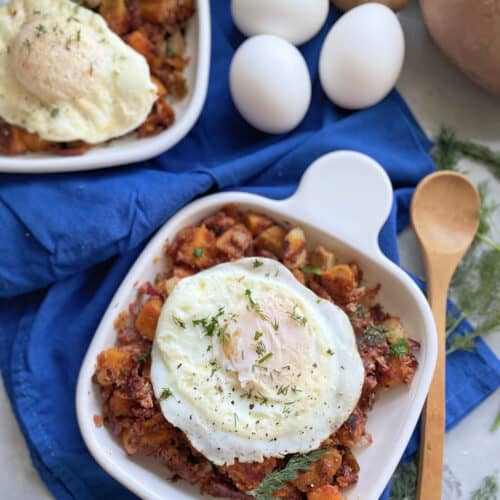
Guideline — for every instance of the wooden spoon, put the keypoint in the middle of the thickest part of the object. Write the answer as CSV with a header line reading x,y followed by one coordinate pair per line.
x,y
445,217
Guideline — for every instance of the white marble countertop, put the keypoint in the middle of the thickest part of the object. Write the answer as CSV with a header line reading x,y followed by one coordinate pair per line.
x,y
438,94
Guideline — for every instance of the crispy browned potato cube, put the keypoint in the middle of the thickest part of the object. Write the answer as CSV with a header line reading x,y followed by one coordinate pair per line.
x,y
294,249
232,210
320,472
395,330
116,14
247,476
219,222
322,258
120,405
196,247
142,44
235,241
148,316
271,239
156,11
256,223
11,140
299,275
325,492
182,271
111,363
339,282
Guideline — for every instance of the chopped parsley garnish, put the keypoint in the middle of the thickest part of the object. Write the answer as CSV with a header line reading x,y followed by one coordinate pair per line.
x,y
283,390
54,112
312,270
260,348
257,335
177,321
209,348
198,252
257,263
275,324
210,324
143,356
265,358
375,333
330,352
40,29
254,305
400,348
296,316
165,394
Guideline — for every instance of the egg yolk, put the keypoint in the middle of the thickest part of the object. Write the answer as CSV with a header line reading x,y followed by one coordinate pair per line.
x,y
266,346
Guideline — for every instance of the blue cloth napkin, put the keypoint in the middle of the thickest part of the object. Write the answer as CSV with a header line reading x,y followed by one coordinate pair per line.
x,y
68,240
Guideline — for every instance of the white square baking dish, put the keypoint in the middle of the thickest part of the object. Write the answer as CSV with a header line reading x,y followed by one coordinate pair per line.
x,y
130,148
342,201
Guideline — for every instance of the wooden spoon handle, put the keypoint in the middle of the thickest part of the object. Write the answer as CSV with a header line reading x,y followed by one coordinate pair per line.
x,y
433,416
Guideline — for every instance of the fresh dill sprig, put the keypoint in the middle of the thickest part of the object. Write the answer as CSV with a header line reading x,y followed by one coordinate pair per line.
x,y
449,150
277,479
476,288
404,481
488,489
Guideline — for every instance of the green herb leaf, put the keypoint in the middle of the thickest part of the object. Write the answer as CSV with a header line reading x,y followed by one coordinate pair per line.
x,y
400,348
54,112
210,324
375,334
252,304
177,321
257,335
330,352
165,394
312,270
257,263
198,252
277,479
143,356
265,358
496,423
488,489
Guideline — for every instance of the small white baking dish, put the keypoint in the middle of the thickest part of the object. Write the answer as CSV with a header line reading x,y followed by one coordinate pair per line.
x,y
342,201
130,148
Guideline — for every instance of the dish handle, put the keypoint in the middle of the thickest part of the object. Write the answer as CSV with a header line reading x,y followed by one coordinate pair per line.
x,y
346,194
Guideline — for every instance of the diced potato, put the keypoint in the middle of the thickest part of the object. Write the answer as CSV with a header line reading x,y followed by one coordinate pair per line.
x,y
294,249
219,222
326,492
171,283
395,330
141,43
235,241
356,271
147,319
196,247
322,258
320,472
247,476
232,210
110,365
156,11
120,405
160,88
116,14
256,223
339,282
11,140
271,239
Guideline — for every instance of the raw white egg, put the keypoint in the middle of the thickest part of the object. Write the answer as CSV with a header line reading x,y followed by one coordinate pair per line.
x,y
270,83
294,20
362,56
67,76
255,365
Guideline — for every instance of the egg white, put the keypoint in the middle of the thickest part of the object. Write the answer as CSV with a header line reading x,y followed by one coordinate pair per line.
x,y
291,408
67,76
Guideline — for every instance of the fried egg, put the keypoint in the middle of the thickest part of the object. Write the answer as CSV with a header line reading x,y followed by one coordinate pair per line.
x,y
250,364
67,76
